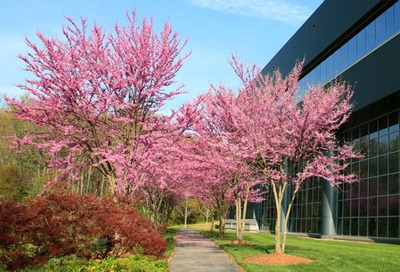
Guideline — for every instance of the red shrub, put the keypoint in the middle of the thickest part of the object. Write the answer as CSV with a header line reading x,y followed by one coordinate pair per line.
x,y
60,225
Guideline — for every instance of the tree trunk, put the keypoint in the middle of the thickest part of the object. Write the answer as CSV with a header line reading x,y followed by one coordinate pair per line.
x,y
207,215
113,184
278,195
81,190
287,218
239,232
221,230
243,219
88,179
278,247
186,213
102,186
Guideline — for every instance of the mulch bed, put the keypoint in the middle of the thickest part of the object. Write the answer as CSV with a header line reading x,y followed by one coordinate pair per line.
x,y
243,243
277,259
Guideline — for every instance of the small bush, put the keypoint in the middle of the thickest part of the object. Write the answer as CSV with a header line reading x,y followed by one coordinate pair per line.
x,y
60,225
136,263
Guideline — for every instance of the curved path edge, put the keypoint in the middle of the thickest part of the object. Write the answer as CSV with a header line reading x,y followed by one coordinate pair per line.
x,y
195,253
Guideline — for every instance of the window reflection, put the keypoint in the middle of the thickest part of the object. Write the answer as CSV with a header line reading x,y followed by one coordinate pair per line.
x,y
371,207
377,32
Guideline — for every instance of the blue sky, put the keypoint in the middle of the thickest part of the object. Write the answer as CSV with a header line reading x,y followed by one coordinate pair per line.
x,y
254,30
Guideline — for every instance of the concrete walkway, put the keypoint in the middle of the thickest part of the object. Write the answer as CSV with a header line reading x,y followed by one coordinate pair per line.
x,y
195,253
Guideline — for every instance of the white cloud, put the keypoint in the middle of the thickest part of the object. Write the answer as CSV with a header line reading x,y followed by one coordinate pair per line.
x,y
269,9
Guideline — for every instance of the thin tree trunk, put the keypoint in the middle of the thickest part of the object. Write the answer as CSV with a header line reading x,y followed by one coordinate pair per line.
x,y
243,223
221,230
88,180
102,187
278,200
238,216
186,212
113,184
287,218
81,189
207,215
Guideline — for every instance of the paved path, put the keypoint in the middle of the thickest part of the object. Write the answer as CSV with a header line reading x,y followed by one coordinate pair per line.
x,y
195,253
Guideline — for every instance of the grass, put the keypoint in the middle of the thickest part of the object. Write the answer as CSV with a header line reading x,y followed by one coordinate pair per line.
x,y
169,237
327,255
197,226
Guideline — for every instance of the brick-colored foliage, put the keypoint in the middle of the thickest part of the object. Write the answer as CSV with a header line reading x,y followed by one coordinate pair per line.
x,y
60,225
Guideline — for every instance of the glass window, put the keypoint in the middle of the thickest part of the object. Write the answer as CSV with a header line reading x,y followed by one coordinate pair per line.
x,y
363,206
329,68
382,206
383,185
372,224
361,43
394,162
393,122
373,167
317,76
370,37
383,125
344,57
336,63
372,206
394,205
363,169
363,227
373,148
397,16
390,26
380,29
383,145
352,50
394,184
394,227
364,188
382,227
311,78
372,190
323,72
354,226
383,165
346,226
373,129
393,141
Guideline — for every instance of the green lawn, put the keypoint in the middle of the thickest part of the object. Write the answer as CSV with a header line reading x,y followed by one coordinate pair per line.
x,y
327,255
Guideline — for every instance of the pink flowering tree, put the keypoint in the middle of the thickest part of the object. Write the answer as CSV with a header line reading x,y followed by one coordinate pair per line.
x,y
164,183
225,155
211,182
293,137
98,96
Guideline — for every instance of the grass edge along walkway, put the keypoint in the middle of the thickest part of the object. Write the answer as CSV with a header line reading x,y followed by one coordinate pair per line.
x,y
194,252
327,255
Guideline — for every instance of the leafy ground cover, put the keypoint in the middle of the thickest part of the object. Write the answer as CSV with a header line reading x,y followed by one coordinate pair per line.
x,y
133,263
327,255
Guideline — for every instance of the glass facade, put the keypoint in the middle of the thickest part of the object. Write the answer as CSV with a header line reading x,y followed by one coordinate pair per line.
x,y
306,211
267,213
371,207
369,38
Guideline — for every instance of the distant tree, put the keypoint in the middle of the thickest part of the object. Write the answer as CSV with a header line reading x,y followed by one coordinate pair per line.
x,y
227,171
99,95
